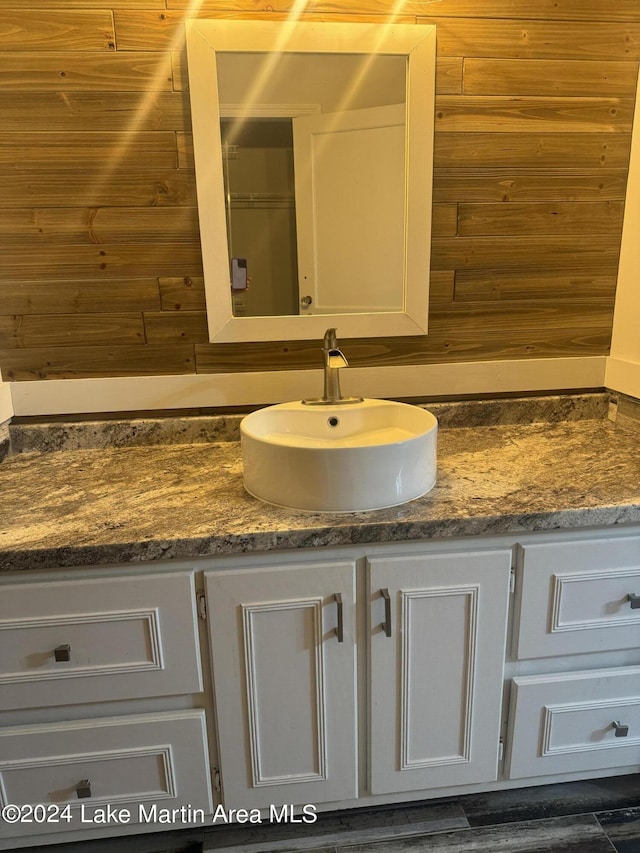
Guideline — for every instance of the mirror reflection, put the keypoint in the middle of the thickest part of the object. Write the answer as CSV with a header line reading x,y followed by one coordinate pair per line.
x,y
313,151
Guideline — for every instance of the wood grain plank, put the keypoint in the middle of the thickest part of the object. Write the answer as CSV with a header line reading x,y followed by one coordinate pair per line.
x,y
49,29
480,114
444,222
438,347
118,112
441,286
577,218
587,10
527,186
596,253
182,293
171,327
530,39
476,285
98,225
74,151
79,297
142,30
95,361
55,330
104,188
576,151
92,4
48,71
449,75
77,262
521,315
526,77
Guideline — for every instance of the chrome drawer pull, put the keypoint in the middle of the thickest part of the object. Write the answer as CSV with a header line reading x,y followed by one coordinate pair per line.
x,y
386,625
62,653
621,730
634,601
340,626
83,789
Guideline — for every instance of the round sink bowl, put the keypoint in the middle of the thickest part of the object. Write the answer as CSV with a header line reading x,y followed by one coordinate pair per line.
x,y
339,458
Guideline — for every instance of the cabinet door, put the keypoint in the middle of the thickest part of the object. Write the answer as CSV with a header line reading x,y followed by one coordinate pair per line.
x,y
437,637
283,651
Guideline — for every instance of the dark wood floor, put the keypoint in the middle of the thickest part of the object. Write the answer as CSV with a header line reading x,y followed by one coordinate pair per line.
x,y
595,816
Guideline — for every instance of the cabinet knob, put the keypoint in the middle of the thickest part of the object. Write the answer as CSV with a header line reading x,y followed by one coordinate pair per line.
x,y
83,789
634,600
63,652
621,730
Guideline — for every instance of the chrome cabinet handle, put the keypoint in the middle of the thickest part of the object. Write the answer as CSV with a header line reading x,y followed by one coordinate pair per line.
x,y
83,789
62,653
386,625
621,729
340,626
634,600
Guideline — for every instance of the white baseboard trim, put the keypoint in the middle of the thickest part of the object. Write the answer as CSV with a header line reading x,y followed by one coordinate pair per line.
x,y
138,393
6,402
623,376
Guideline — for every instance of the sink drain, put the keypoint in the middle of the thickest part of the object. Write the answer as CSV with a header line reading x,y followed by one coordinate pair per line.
x,y
333,422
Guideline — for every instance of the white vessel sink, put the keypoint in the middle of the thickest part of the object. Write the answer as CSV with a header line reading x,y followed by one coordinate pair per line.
x,y
339,458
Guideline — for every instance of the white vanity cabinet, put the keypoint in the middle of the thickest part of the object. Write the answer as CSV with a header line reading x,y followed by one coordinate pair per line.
x,y
87,666
283,646
576,598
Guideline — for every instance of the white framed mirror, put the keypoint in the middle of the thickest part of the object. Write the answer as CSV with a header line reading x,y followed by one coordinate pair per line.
x,y
313,146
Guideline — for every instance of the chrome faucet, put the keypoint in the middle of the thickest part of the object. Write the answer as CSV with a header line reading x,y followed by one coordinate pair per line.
x,y
334,360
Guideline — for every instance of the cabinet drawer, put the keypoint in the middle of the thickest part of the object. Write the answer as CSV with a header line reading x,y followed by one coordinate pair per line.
x,y
565,722
136,763
66,642
575,597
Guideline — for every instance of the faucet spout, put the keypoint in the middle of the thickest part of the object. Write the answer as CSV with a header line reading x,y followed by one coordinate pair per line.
x,y
334,361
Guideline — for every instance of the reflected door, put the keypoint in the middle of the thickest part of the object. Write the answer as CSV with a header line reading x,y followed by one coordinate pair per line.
x,y
350,209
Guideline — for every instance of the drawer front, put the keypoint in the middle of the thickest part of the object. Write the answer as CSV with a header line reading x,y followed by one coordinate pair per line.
x,y
141,764
576,597
66,642
575,721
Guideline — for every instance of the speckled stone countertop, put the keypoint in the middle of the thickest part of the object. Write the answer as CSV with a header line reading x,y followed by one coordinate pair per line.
x,y
127,491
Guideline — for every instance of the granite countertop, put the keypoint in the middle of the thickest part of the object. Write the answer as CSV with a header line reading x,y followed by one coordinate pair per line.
x,y
127,491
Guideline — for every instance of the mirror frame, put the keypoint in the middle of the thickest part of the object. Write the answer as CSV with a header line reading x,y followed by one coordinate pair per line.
x,y
416,42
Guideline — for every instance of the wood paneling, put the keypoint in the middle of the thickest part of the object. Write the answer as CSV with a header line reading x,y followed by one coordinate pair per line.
x,y
101,265
42,72
574,218
74,151
45,29
548,151
528,115
473,286
182,293
84,362
549,77
31,330
508,39
481,186
82,297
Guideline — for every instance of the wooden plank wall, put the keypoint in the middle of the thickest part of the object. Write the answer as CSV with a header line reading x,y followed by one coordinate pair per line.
x,y
100,266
